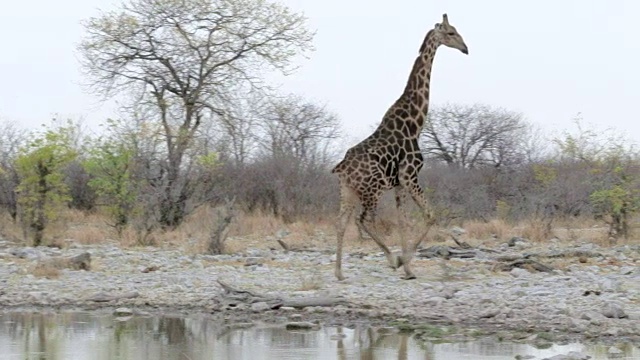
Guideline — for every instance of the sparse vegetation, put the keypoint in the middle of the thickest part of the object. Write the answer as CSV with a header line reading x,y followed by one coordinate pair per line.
x,y
42,192
203,126
561,195
312,282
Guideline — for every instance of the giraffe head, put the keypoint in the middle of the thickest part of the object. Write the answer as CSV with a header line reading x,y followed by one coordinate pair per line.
x,y
448,35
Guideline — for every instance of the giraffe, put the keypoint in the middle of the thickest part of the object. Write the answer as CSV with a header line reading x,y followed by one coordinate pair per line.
x,y
390,157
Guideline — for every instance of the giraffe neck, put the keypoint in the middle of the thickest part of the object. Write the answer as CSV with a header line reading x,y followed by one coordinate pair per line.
x,y
416,92
420,77
412,106
408,113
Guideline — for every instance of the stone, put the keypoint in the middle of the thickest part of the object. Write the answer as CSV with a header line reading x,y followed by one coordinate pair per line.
x,y
573,355
609,285
80,262
578,325
250,261
435,301
260,306
519,273
516,239
613,311
627,270
489,313
300,325
593,317
613,331
295,317
122,312
26,253
614,351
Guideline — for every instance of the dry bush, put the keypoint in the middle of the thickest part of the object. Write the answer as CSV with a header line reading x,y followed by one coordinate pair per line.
x,y
83,197
256,223
84,227
89,234
45,269
483,230
284,187
312,282
219,229
130,237
461,193
9,229
535,230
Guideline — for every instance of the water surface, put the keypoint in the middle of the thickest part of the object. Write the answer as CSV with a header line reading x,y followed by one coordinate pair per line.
x,y
78,335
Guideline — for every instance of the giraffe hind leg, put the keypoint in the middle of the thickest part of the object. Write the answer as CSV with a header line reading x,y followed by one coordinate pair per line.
x,y
417,194
347,205
407,254
366,220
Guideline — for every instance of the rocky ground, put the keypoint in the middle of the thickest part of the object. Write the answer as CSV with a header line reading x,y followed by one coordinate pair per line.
x,y
591,293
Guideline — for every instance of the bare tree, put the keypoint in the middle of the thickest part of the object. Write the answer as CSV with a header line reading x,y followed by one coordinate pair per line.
x,y
474,135
287,173
293,126
12,138
186,59
239,125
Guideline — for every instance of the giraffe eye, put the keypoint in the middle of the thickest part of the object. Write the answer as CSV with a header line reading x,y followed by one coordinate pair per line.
x,y
451,33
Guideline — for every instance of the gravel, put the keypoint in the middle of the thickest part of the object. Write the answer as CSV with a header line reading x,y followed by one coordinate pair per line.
x,y
600,297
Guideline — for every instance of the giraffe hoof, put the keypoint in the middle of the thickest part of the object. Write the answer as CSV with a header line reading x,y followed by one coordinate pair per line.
x,y
340,277
409,277
396,263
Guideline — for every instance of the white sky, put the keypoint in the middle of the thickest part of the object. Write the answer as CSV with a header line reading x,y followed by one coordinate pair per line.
x,y
547,59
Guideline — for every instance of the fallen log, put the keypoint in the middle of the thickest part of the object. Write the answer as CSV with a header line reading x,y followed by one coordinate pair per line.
x,y
300,303
77,262
447,252
461,244
237,295
104,297
527,264
566,253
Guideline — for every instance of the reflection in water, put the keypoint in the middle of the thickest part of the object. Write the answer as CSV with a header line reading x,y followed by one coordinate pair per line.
x,y
73,335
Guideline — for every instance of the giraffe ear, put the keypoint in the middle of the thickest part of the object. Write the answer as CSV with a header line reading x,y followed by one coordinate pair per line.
x,y
445,19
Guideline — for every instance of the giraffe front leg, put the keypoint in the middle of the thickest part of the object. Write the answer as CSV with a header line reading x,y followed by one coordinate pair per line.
x,y
409,184
405,259
429,217
346,210
366,220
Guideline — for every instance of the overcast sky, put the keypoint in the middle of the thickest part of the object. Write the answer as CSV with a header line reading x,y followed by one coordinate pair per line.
x,y
546,59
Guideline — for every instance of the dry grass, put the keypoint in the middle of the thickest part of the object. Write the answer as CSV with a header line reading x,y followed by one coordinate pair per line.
x,y
534,230
262,231
8,229
312,282
496,228
569,230
87,234
45,270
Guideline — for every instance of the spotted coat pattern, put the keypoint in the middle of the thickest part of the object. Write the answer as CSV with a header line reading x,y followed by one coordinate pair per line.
x,y
390,157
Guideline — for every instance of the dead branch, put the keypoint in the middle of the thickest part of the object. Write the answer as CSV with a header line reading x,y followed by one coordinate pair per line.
x,y
219,232
234,295
447,252
104,297
527,264
462,245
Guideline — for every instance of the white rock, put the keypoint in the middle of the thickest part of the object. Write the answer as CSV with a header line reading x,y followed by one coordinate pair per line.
x,y
519,273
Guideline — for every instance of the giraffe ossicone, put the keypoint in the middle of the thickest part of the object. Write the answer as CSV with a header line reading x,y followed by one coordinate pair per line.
x,y
390,158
